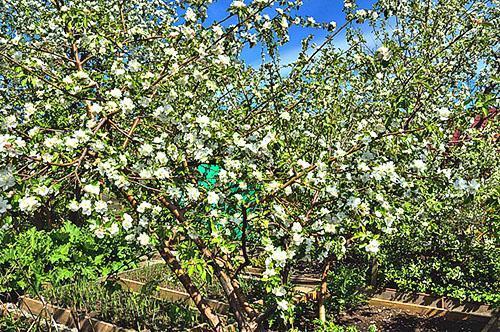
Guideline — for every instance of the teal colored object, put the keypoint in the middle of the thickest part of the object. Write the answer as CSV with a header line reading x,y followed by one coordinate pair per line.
x,y
210,172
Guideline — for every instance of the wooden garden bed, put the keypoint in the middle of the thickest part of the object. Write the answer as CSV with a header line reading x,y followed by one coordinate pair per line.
x,y
431,306
67,317
307,286
419,303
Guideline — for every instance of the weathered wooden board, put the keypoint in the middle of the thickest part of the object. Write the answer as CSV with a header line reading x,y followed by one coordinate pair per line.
x,y
431,305
66,317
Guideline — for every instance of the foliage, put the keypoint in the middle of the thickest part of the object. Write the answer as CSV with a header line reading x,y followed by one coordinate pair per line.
x,y
446,263
31,258
109,108
346,288
9,324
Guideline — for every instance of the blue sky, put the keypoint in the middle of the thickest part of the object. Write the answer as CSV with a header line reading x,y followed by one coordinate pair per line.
x,y
321,10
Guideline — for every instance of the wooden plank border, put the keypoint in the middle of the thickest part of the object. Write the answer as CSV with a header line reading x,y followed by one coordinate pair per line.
x,y
87,324
431,306
66,317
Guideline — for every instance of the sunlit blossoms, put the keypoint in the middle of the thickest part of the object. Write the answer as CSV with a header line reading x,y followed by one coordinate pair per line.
x,y
127,221
144,122
373,246
4,205
28,203
383,53
143,239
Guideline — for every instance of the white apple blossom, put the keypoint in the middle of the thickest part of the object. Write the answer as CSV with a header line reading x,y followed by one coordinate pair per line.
x,y
114,229
238,4
86,207
144,206
303,163
373,246
361,13
7,179
127,222
127,104
203,120
296,227
101,206
115,93
146,149
99,233
224,59
193,193
212,198
71,142
285,116
383,53
119,71
93,189
190,15
134,65
279,291
284,22
218,30
4,205
74,205
460,184
474,185
419,165
143,239
28,203
96,108
279,256
444,113
283,305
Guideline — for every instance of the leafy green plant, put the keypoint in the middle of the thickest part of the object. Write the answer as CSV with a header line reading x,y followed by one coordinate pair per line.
x,y
33,257
346,285
444,261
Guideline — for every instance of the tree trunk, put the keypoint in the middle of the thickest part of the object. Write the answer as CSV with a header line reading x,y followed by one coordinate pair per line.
x,y
191,288
237,300
374,272
243,312
324,289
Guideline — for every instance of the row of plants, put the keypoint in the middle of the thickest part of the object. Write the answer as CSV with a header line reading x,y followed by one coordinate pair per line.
x,y
159,275
15,320
108,302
